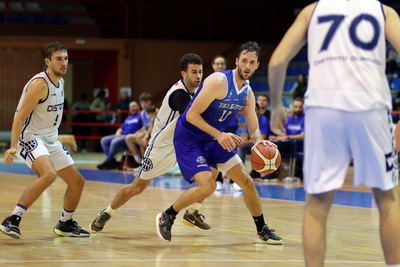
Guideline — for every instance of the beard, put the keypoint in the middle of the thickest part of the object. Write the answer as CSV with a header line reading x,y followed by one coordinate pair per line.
x,y
241,74
298,113
58,73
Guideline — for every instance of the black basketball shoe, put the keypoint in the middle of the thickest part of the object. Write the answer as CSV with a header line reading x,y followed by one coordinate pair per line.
x,y
98,223
195,219
70,228
268,236
164,224
10,226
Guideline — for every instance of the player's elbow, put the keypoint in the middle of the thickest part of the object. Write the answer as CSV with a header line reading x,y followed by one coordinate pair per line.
x,y
276,63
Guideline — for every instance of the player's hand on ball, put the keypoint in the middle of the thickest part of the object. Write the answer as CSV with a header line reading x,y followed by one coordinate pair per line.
x,y
229,140
9,157
265,142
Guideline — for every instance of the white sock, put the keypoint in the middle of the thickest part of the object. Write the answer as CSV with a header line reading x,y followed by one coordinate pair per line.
x,y
392,265
66,215
110,210
19,210
192,208
137,158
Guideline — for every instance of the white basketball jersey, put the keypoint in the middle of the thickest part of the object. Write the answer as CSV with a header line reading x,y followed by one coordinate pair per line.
x,y
346,53
47,114
165,122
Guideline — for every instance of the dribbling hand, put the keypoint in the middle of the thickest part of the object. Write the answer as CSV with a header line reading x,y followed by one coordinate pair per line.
x,y
9,156
264,142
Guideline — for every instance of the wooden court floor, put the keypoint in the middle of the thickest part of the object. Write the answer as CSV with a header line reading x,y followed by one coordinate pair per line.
x,y
129,239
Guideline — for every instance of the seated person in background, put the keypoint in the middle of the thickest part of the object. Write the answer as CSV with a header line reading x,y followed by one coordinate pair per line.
x,y
294,133
263,103
138,141
111,144
218,63
245,148
122,105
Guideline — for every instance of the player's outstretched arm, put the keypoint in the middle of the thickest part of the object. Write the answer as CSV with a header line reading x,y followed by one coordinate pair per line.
x,y
392,27
292,42
36,91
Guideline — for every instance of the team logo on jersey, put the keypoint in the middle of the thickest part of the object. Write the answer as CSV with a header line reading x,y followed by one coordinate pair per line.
x,y
147,164
54,108
200,160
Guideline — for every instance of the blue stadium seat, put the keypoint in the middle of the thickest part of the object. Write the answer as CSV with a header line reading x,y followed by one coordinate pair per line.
x,y
395,84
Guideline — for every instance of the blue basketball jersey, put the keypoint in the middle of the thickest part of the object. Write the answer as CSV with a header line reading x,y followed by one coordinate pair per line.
x,y
221,112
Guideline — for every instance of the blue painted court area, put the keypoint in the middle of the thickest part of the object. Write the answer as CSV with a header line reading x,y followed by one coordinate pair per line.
x,y
282,192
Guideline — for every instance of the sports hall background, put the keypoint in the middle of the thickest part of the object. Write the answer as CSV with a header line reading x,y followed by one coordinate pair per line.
x,y
134,44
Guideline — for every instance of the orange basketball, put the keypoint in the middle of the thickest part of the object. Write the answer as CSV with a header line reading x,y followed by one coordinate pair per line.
x,y
265,159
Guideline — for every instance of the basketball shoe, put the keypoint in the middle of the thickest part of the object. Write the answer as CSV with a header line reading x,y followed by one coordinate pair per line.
x,y
164,224
70,228
98,223
195,219
10,226
268,236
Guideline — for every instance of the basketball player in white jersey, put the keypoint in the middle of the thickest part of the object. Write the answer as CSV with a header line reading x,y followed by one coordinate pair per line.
x,y
347,106
34,140
159,156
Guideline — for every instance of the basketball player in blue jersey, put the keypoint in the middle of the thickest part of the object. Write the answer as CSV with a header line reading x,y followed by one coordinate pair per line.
x,y
34,140
347,106
203,149
159,156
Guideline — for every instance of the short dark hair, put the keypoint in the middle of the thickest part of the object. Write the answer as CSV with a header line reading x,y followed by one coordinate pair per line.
x,y
267,97
300,99
189,58
218,56
145,96
51,48
250,47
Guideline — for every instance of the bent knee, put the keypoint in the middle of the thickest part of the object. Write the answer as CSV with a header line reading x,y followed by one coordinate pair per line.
x,y
246,183
208,189
48,177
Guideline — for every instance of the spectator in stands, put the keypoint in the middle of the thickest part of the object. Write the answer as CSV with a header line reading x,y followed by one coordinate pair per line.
x,y
263,104
111,144
293,138
145,103
245,148
99,103
81,104
137,142
300,87
122,105
218,63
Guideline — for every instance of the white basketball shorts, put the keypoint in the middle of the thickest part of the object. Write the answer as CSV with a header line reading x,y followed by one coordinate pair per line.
x,y
333,138
33,146
157,161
